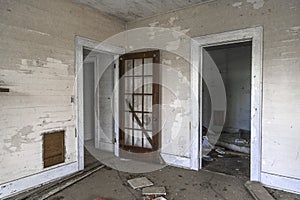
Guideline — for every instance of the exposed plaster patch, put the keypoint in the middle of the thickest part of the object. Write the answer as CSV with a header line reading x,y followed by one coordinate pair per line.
x,y
294,30
51,66
172,19
172,46
16,141
257,4
166,62
53,60
153,24
237,4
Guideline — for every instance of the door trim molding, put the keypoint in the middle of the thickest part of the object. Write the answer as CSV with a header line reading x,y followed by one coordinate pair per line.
x,y
250,34
288,184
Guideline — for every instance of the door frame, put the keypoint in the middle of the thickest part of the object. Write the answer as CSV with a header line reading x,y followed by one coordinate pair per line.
x,y
255,35
80,43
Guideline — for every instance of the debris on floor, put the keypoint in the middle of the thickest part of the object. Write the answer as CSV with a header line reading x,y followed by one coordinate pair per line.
x,y
220,150
139,182
207,158
160,198
148,190
258,191
155,191
236,141
241,141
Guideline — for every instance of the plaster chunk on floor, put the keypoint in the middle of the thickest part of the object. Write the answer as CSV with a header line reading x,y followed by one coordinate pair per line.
x,y
257,4
237,4
154,191
139,182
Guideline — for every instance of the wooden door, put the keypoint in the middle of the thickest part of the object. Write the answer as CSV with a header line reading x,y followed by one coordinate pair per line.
x,y
139,102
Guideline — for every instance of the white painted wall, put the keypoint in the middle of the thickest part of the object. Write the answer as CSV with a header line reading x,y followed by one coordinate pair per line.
x,y
281,60
37,65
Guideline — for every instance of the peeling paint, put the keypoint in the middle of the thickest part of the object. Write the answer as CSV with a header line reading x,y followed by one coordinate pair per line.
x,y
153,24
173,45
172,19
294,30
166,62
257,4
237,4
16,141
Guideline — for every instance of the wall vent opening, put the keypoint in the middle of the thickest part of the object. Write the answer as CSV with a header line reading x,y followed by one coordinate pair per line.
x,y
54,148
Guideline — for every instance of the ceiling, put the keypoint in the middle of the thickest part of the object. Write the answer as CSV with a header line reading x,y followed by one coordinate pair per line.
x,y
128,10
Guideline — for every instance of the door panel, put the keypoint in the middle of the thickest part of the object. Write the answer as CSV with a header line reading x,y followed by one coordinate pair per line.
x,y
139,100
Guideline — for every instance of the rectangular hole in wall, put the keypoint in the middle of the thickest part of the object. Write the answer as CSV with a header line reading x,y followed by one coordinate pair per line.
x,y
54,148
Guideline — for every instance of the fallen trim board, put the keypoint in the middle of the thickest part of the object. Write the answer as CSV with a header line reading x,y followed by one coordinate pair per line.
x,y
56,189
257,191
51,188
18,186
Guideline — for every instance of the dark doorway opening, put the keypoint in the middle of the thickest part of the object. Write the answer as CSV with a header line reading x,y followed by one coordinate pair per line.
x,y
231,154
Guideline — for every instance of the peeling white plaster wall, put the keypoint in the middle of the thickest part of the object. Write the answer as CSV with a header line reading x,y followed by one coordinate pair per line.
x,y
37,65
281,71
175,106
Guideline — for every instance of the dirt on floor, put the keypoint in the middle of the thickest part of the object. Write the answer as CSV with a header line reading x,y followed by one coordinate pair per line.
x,y
222,178
179,183
231,163
238,165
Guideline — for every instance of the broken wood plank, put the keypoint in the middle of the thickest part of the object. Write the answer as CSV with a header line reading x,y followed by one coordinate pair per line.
x,y
53,190
257,191
44,189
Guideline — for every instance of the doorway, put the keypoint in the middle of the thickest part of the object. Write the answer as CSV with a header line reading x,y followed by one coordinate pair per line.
x,y
231,152
255,36
98,86
89,100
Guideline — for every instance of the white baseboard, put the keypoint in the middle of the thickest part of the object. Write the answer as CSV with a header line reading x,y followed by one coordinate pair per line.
x,y
176,161
17,186
281,182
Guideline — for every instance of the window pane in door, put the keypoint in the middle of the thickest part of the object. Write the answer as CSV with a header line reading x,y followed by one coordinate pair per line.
x,y
128,68
148,66
138,67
